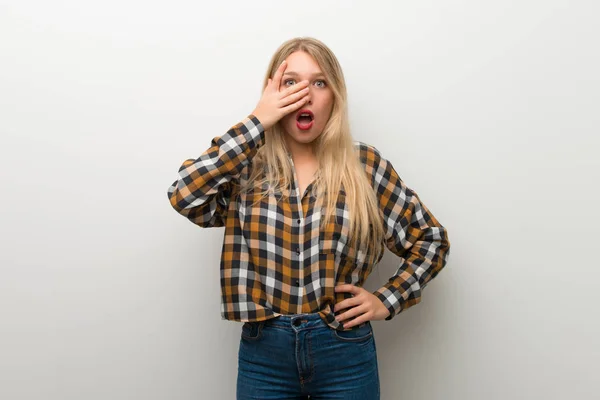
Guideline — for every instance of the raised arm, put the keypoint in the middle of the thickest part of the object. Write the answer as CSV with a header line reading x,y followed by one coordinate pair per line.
x,y
202,190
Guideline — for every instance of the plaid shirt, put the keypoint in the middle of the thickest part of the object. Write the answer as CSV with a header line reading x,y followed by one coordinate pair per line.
x,y
276,260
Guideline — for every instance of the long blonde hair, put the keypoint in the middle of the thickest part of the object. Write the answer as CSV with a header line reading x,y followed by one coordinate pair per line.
x,y
339,163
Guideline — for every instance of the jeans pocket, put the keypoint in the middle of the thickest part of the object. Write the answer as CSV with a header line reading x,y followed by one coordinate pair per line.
x,y
252,330
360,333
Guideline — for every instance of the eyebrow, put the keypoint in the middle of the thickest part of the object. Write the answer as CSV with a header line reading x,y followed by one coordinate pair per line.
x,y
292,73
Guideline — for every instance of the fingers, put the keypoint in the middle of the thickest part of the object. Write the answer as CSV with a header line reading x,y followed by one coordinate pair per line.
x,y
294,106
294,88
353,316
278,74
347,287
294,97
359,308
356,321
349,312
354,301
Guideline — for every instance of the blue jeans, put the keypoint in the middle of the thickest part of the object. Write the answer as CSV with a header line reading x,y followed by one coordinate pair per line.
x,y
297,356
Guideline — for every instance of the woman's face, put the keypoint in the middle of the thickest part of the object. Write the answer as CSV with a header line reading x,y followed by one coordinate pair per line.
x,y
301,66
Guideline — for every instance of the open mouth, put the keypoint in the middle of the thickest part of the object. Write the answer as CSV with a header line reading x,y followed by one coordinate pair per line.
x,y
304,119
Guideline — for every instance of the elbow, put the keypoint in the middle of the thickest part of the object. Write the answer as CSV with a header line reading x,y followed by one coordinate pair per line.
x,y
175,198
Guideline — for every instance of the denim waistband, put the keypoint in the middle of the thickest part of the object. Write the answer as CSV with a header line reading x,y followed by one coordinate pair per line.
x,y
297,321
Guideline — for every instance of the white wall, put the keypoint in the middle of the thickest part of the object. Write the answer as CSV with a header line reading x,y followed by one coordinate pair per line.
x,y
489,110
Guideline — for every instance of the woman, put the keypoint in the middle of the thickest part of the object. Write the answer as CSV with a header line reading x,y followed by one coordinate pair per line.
x,y
307,211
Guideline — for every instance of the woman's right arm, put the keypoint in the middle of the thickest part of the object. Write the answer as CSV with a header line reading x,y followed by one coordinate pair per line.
x,y
203,189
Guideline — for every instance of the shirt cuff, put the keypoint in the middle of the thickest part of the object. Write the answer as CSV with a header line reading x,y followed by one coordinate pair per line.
x,y
253,130
391,297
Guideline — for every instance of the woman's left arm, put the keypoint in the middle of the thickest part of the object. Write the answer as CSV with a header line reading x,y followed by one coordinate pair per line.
x,y
412,233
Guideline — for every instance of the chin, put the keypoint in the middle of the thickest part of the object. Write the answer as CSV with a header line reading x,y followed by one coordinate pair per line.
x,y
304,138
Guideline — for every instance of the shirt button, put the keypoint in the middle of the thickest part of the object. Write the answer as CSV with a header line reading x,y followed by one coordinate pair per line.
x,y
298,250
298,220
297,281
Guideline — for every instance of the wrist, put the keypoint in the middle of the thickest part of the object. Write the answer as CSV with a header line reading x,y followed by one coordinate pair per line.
x,y
262,119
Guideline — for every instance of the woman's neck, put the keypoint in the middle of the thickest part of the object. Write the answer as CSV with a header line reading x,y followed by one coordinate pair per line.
x,y
301,152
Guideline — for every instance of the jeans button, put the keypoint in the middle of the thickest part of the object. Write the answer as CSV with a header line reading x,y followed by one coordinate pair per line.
x,y
297,322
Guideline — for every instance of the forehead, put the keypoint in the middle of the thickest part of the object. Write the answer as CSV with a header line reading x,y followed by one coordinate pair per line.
x,y
302,63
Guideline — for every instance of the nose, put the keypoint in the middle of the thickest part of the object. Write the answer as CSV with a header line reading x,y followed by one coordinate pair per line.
x,y
309,98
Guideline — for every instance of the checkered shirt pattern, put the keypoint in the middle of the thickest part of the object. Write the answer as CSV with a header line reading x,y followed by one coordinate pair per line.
x,y
276,259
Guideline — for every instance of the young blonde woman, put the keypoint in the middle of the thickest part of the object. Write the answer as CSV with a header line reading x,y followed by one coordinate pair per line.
x,y
307,213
